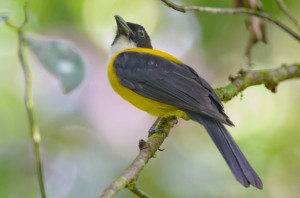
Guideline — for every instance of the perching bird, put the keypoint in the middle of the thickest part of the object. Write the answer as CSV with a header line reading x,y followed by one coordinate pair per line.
x,y
162,85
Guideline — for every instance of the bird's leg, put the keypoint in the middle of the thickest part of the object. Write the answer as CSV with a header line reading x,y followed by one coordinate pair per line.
x,y
153,129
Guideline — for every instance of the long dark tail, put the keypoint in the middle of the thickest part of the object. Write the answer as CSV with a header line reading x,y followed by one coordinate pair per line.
x,y
235,159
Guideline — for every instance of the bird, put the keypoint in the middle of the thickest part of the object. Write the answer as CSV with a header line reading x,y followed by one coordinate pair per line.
x,y
162,85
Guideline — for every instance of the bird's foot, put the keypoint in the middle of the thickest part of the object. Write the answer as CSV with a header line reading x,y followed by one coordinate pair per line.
x,y
156,129
153,129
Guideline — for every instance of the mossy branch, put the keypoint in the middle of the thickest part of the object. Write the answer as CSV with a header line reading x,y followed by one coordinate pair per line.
x,y
269,77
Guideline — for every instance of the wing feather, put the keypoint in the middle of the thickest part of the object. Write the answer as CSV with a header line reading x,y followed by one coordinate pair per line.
x,y
168,82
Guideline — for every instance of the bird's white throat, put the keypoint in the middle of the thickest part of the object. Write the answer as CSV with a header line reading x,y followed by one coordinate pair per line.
x,y
122,43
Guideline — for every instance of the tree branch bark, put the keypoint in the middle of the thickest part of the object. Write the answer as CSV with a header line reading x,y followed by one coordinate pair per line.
x,y
269,77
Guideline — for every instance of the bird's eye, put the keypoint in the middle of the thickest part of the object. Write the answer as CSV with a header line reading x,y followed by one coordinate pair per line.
x,y
141,33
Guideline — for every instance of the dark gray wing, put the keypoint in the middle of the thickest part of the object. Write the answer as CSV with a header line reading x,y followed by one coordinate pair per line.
x,y
168,82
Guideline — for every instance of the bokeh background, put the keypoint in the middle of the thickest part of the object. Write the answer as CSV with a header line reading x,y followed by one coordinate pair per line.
x,y
91,135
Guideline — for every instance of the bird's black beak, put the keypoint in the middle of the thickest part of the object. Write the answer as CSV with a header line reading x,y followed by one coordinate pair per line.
x,y
123,27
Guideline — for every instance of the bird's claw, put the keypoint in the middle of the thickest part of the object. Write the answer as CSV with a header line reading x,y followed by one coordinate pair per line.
x,y
153,131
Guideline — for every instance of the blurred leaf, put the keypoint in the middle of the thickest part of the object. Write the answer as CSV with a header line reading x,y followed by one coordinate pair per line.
x,y
239,3
255,25
257,29
252,4
3,17
61,59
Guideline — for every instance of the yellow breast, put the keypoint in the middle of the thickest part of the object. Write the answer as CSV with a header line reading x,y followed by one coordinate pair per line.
x,y
152,107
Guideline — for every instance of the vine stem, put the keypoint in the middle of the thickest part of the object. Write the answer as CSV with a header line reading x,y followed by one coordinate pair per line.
x,y
28,99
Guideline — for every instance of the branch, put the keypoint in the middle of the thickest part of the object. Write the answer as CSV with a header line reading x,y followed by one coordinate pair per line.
x,y
147,151
28,99
233,11
271,78
286,11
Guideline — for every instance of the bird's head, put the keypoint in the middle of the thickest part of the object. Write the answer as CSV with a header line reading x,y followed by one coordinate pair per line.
x,y
130,35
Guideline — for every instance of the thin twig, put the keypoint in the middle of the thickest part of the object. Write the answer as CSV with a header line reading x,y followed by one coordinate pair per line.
x,y
271,78
233,11
28,99
286,11
26,17
138,192
179,8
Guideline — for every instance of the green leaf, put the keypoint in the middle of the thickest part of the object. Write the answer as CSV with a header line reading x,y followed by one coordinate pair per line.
x,y
61,59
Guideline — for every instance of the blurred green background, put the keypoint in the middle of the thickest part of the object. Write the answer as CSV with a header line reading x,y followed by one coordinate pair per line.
x,y
91,135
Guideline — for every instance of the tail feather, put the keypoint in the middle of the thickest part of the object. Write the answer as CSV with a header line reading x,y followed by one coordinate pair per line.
x,y
235,159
